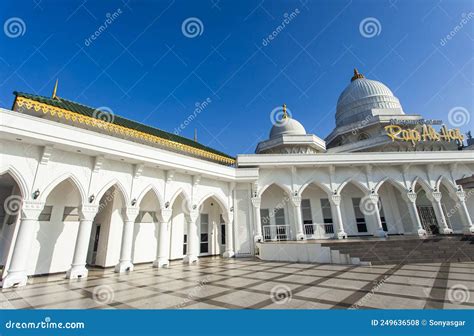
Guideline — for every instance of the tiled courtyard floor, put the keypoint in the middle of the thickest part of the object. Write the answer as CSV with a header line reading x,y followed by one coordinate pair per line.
x,y
217,283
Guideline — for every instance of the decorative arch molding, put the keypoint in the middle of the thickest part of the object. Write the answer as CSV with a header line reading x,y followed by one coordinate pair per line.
x,y
184,194
64,177
285,189
316,183
222,202
358,184
423,184
20,181
443,180
151,187
392,182
110,184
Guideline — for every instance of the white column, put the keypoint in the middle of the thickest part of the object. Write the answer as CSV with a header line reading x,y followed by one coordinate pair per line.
x,y
229,235
438,209
125,264
415,217
162,259
336,204
256,201
78,267
193,238
17,275
468,227
296,202
374,200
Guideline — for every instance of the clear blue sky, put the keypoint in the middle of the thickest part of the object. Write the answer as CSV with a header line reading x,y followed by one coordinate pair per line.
x,y
143,67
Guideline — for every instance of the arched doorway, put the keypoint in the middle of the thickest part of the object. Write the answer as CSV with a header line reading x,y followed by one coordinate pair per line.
x,y
357,221
316,213
179,229
274,214
211,227
393,208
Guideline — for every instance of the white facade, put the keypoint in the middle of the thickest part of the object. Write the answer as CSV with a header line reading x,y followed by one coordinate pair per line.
x,y
75,197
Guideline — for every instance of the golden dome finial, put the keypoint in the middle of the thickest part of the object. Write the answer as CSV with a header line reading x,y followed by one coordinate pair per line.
x,y
285,114
55,90
357,75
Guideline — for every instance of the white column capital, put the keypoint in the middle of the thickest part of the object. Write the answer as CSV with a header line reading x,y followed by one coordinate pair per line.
x,y
88,211
461,196
256,202
296,201
228,217
130,213
412,196
436,196
374,198
336,200
166,214
193,216
31,209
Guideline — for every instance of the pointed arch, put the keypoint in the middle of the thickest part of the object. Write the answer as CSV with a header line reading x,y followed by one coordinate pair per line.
x,y
110,184
316,183
65,177
358,184
178,192
423,184
443,180
20,181
222,202
151,187
285,189
393,182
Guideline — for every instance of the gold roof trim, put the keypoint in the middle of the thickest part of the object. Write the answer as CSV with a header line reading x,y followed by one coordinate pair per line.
x,y
90,121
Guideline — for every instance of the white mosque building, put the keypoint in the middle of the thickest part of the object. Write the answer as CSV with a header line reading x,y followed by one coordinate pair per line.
x,y
82,188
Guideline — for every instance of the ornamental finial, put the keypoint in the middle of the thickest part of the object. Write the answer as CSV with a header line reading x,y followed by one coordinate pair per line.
x,y
55,90
285,114
357,75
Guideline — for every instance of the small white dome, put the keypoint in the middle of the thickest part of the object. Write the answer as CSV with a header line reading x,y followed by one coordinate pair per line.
x,y
361,96
287,126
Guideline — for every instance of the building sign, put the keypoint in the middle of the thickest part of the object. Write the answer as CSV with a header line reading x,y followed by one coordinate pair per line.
x,y
426,133
416,122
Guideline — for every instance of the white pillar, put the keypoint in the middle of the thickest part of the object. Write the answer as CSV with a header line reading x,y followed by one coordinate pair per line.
x,y
162,259
125,264
438,209
256,201
296,202
16,275
78,267
229,235
415,217
336,204
468,227
374,200
193,238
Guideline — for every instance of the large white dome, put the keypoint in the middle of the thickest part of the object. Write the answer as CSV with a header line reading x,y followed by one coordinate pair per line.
x,y
287,126
361,97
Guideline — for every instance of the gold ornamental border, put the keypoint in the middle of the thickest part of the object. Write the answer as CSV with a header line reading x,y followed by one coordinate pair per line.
x,y
118,129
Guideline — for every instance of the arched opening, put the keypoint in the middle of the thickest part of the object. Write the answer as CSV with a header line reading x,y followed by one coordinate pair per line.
x,y
393,208
274,214
179,227
106,235
146,229
357,221
450,205
53,249
425,208
11,198
316,213
211,227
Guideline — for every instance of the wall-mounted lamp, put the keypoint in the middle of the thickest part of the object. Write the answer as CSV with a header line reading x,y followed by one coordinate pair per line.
x,y
134,201
372,191
194,207
335,192
231,209
36,194
167,205
91,198
296,193
411,190
459,188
